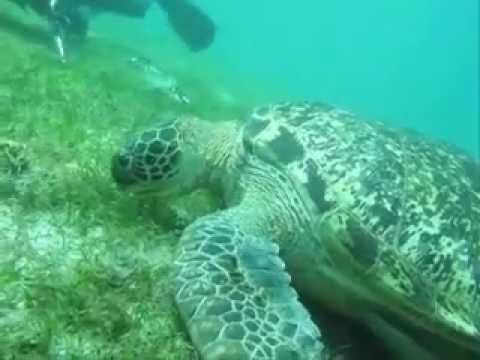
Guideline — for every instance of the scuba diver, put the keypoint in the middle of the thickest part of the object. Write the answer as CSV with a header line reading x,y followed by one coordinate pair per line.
x,y
70,18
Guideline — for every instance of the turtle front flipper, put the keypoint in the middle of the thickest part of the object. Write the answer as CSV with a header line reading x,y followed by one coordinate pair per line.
x,y
235,297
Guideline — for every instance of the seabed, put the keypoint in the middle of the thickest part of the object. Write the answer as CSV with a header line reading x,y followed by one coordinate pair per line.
x,y
84,267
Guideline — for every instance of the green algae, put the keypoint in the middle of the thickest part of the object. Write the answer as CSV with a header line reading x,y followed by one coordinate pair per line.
x,y
84,268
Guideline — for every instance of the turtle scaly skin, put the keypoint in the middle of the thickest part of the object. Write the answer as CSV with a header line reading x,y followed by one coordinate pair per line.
x,y
378,224
231,287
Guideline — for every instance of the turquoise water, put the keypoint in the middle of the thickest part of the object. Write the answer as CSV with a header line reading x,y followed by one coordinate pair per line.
x,y
412,63
86,269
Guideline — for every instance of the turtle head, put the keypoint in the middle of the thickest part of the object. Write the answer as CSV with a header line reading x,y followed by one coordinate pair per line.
x,y
162,159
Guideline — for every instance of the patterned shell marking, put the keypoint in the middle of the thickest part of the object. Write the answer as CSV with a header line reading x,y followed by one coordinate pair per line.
x,y
413,204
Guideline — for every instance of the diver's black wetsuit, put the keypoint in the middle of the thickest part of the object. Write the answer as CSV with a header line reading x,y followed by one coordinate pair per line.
x,y
67,17
64,15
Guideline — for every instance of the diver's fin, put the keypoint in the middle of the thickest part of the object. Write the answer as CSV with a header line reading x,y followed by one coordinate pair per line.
x,y
192,25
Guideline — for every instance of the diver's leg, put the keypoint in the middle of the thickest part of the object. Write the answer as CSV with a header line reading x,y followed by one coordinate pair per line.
x,y
131,8
67,21
58,33
235,297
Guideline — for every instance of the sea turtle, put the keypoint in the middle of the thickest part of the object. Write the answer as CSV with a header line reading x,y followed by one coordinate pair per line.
x,y
379,224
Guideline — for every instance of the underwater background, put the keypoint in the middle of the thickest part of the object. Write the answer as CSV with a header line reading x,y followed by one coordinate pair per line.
x,y
85,268
412,63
